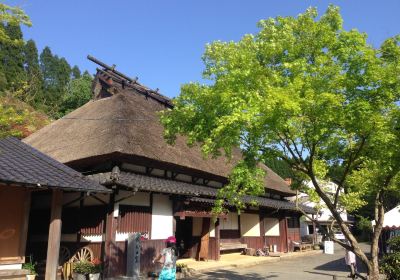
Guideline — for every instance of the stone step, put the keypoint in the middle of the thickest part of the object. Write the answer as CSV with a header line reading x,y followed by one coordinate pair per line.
x,y
13,274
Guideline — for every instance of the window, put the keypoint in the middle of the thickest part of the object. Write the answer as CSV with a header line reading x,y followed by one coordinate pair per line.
x,y
293,222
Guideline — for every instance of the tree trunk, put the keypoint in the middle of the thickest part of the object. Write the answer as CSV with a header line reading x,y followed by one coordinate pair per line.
x,y
373,271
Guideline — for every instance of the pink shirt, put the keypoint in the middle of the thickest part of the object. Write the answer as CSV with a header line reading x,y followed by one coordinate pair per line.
x,y
350,257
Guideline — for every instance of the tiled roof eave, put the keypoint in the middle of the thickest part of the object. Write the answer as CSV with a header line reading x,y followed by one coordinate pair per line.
x,y
162,185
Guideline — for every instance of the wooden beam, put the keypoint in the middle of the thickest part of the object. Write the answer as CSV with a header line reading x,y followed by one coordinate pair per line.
x,y
286,235
53,245
200,214
25,223
262,228
109,269
217,240
81,204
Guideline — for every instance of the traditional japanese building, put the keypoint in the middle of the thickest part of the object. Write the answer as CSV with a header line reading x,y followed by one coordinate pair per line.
x,y
25,172
158,189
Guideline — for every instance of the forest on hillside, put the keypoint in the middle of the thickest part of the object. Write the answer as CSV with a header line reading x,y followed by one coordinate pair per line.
x,y
34,86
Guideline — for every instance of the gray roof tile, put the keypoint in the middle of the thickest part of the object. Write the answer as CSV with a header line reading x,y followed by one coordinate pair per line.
x,y
22,164
155,184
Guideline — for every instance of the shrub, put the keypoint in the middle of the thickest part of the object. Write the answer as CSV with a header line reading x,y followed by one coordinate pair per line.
x,y
391,262
83,267
31,266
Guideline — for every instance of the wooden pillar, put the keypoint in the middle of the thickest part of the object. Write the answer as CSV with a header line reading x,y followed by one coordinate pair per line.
x,y
79,235
24,229
285,236
314,232
110,240
262,228
217,240
53,246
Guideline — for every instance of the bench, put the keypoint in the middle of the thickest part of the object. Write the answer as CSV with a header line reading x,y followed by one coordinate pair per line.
x,y
303,246
232,246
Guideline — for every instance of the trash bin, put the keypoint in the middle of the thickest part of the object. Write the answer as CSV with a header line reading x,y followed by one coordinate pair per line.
x,y
328,247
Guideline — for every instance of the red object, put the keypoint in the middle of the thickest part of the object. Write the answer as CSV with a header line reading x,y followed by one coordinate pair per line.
x,y
96,261
171,239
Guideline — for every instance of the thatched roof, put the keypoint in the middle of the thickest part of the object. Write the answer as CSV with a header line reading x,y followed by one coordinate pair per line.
x,y
123,122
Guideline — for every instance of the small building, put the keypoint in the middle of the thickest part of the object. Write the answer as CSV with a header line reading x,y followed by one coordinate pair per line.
x,y
24,172
391,228
308,229
158,189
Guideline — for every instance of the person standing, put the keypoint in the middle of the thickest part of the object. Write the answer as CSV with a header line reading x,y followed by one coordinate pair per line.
x,y
168,257
350,258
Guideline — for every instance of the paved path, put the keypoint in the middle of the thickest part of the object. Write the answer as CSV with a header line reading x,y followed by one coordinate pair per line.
x,y
315,267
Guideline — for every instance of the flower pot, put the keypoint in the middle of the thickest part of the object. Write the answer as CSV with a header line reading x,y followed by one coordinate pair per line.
x,y
30,276
94,276
78,276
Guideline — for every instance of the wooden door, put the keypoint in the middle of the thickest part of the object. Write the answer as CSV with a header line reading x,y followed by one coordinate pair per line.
x,y
205,239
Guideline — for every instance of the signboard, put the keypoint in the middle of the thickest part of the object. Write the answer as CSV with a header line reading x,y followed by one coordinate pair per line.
x,y
328,247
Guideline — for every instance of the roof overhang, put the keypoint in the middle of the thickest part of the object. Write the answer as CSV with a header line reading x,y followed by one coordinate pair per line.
x,y
139,182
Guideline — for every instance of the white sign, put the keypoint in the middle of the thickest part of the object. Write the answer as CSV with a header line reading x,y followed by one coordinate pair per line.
x,y
328,247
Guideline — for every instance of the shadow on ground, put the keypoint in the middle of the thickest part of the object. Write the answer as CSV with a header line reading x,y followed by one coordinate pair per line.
x,y
340,265
232,275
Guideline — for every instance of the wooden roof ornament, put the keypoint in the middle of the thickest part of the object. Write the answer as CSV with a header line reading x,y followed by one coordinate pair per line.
x,y
121,124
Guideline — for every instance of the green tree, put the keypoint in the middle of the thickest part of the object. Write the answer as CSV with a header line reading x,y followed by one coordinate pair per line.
x,y
76,72
12,56
56,74
13,16
19,119
78,93
308,92
34,75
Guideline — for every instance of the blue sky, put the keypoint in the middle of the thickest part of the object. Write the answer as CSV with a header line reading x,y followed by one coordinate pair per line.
x,y
161,41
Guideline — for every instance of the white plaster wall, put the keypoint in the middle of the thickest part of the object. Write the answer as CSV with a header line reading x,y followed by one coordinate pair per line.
x,y
139,199
249,224
157,172
197,226
183,177
161,218
271,226
133,167
231,221
215,184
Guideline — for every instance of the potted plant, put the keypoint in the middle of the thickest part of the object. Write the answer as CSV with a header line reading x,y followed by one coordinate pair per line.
x,y
31,267
95,269
81,269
